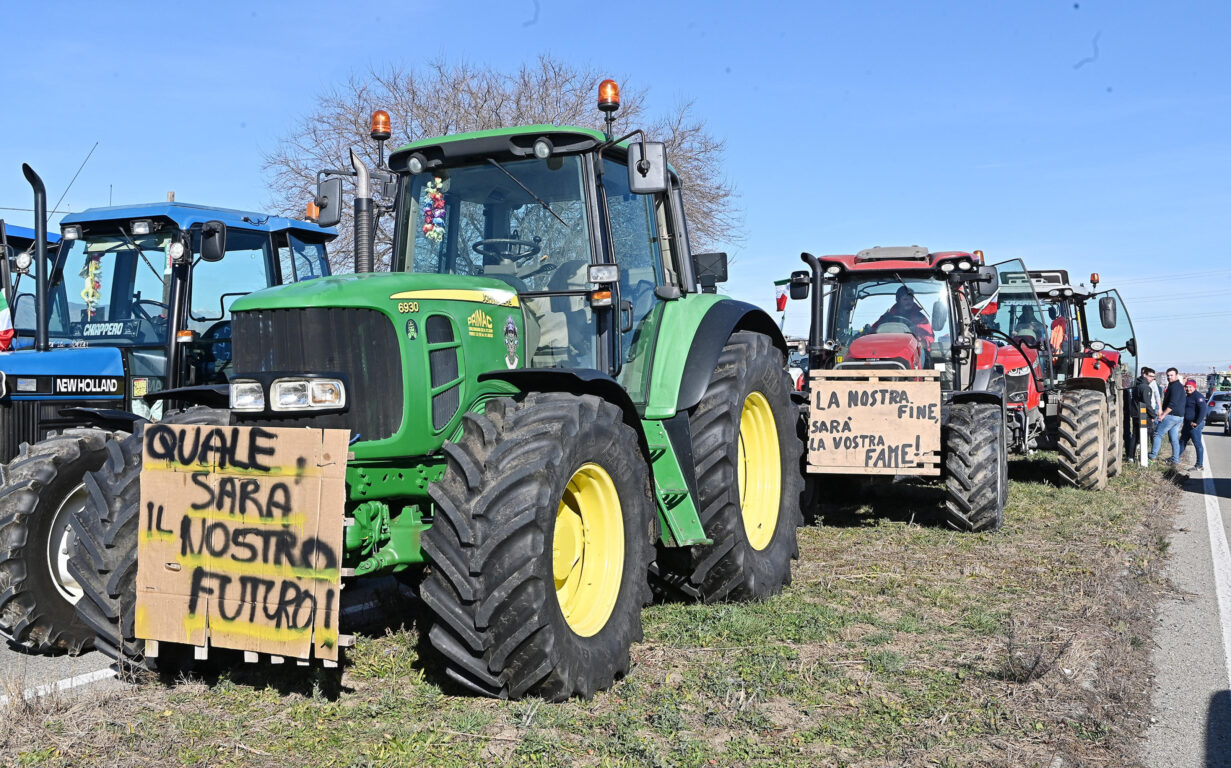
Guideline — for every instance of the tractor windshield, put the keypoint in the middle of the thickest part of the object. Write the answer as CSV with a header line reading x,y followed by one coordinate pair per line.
x,y
524,222
1020,316
879,304
111,291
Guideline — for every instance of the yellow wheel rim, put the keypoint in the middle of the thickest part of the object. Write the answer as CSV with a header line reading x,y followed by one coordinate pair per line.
x,y
587,551
760,470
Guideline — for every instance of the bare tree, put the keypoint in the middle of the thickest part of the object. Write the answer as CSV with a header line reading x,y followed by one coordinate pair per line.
x,y
448,98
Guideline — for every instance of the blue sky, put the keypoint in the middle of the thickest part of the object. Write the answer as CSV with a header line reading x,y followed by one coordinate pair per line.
x,y
1094,136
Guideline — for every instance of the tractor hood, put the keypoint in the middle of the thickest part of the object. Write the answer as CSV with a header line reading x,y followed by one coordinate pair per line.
x,y
380,290
902,347
69,372
409,347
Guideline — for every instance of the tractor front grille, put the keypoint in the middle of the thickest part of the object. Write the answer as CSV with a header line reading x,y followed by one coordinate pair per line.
x,y
1017,385
18,424
360,345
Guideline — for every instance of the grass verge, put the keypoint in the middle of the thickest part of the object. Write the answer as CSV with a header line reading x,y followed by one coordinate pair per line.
x,y
899,642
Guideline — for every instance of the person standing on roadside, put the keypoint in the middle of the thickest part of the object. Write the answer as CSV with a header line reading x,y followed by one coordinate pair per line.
x,y
1141,396
1195,409
1171,417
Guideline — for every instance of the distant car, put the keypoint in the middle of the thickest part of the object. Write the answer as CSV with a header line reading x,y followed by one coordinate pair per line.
x,y
1219,403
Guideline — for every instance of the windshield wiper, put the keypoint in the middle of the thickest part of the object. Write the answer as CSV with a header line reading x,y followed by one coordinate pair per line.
x,y
527,190
144,258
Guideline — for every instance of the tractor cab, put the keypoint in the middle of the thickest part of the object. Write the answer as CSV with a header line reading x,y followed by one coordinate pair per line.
x,y
1090,330
554,217
898,308
127,291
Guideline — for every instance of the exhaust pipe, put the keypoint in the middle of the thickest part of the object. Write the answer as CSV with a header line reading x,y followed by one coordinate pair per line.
x,y
363,215
40,258
814,332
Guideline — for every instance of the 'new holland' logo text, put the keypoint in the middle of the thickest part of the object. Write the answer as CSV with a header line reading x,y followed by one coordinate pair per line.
x,y
91,385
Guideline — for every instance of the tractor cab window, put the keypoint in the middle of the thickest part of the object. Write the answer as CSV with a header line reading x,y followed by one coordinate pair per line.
x,y
111,290
524,223
1118,335
889,304
214,286
1020,316
308,260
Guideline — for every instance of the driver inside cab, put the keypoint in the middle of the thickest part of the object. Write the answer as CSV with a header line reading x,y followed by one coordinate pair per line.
x,y
906,311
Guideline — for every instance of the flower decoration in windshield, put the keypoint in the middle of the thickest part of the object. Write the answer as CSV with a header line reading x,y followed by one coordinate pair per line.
x,y
93,286
434,209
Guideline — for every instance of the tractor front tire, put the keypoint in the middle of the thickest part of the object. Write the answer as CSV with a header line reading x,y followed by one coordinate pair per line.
x,y
539,548
103,553
749,485
974,449
1082,439
43,487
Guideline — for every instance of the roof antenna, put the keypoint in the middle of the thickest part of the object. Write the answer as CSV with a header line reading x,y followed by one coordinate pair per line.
x,y
56,207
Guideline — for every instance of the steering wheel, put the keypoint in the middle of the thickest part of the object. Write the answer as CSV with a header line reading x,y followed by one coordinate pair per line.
x,y
506,248
163,314
903,319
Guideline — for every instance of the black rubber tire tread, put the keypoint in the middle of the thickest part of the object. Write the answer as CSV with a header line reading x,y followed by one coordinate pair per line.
x,y
1115,431
33,613
1082,439
975,466
104,554
730,569
494,621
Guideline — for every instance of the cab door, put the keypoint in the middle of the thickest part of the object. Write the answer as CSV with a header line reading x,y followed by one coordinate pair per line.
x,y
1108,321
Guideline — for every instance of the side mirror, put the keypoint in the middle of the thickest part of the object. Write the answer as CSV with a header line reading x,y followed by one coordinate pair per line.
x,y
647,174
711,269
213,240
1131,346
984,284
940,315
1107,311
329,200
801,281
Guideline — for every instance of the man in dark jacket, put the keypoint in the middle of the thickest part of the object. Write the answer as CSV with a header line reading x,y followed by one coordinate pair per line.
x,y
1171,417
1195,409
1141,396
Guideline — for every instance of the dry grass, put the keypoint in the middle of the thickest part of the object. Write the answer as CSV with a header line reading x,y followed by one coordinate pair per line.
x,y
898,643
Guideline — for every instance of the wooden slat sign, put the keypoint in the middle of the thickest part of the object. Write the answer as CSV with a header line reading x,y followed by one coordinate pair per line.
x,y
874,423
240,538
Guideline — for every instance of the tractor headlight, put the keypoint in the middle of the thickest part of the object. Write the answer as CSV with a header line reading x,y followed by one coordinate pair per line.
x,y
247,395
307,394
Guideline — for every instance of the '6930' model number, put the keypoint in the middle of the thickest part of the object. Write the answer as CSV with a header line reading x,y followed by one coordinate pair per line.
x,y
408,306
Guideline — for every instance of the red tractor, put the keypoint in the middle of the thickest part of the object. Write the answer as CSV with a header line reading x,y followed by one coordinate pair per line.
x,y
900,381
1094,350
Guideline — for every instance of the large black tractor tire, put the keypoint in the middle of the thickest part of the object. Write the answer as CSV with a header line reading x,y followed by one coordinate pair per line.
x,y
975,456
1082,439
104,549
42,488
1115,431
539,548
749,484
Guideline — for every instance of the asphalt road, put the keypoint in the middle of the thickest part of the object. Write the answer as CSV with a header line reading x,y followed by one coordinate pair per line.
x,y
1192,642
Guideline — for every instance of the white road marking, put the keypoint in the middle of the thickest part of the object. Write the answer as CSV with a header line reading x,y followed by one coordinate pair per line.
x,y
66,684
1221,555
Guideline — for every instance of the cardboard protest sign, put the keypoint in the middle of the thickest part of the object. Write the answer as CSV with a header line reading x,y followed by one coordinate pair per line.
x,y
240,538
874,423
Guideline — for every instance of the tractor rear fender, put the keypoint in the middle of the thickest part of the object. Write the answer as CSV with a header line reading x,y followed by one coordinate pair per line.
x,y
700,325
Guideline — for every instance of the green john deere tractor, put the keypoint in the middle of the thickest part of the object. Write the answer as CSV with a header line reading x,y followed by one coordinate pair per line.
x,y
550,418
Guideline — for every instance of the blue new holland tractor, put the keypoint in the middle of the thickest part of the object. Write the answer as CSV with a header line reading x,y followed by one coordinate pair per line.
x,y
134,301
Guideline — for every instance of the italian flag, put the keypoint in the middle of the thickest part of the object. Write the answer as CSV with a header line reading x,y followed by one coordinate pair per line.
x,y
780,293
6,324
